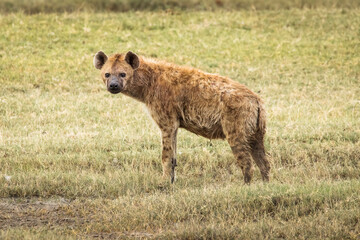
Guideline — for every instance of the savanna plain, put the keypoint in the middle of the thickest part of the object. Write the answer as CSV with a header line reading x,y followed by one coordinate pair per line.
x,y
78,162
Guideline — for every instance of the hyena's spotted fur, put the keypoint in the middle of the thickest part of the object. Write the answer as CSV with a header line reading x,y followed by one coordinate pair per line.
x,y
181,97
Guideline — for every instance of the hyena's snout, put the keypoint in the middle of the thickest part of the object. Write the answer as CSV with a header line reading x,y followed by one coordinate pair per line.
x,y
115,85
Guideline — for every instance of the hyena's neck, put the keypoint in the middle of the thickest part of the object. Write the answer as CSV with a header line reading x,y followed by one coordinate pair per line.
x,y
141,82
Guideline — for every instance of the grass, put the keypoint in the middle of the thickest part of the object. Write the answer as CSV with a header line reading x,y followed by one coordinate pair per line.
x,y
50,6
78,162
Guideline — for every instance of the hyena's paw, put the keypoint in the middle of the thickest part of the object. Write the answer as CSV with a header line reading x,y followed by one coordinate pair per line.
x,y
168,176
169,171
164,182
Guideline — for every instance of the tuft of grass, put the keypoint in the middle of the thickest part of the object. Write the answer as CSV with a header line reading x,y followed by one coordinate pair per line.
x,y
78,161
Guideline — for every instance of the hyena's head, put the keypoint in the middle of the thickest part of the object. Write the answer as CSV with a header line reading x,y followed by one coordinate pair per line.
x,y
116,70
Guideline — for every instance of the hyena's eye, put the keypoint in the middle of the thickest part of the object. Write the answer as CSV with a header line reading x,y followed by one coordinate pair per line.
x,y
122,75
107,75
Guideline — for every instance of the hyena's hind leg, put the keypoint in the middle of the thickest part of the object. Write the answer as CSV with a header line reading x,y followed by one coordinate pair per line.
x,y
237,127
236,136
259,155
243,157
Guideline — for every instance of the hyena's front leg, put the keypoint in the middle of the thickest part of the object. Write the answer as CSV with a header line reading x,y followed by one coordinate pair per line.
x,y
169,152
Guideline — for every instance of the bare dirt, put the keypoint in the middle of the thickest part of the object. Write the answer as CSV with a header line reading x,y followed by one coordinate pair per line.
x,y
31,213
52,214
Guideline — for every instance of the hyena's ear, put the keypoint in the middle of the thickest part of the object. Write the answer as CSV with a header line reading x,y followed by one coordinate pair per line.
x,y
132,59
100,59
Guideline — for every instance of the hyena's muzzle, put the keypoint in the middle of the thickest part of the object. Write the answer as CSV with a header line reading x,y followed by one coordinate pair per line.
x,y
115,85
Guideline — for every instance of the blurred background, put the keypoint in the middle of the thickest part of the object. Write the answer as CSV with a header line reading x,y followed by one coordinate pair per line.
x,y
48,6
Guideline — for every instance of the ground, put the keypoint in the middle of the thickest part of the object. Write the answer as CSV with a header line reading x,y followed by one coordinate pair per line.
x,y
78,162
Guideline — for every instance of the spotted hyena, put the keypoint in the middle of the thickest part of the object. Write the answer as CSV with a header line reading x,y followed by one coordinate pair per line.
x,y
182,97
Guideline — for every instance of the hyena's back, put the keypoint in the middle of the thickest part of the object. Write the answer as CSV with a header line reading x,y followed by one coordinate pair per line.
x,y
207,104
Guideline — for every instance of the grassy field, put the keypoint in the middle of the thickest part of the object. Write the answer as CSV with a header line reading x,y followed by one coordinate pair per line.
x,y
51,6
78,162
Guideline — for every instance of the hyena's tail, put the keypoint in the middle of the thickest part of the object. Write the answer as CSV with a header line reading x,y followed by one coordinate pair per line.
x,y
261,120
257,145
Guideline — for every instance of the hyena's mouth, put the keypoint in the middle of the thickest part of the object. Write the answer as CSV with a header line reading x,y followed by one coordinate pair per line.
x,y
114,91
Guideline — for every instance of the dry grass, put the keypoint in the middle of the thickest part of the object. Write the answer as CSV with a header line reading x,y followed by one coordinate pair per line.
x,y
77,161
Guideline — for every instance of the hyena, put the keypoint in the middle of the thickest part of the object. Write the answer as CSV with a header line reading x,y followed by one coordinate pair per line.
x,y
209,105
